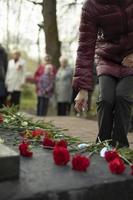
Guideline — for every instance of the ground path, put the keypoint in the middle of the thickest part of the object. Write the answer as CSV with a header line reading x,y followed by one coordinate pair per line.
x,y
83,128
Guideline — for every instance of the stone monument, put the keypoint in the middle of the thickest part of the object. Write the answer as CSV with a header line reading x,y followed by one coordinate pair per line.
x,y
9,163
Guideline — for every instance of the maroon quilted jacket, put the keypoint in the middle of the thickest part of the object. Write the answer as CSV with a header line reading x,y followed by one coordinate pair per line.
x,y
106,28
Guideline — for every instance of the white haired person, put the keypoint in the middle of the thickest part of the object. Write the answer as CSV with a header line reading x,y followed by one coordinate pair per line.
x,y
38,80
45,89
63,87
15,77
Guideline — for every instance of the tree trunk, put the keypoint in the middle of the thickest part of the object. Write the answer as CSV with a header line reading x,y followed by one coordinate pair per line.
x,y
51,30
18,22
7,26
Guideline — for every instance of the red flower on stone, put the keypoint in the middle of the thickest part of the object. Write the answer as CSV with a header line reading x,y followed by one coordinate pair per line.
x,y
1,119
80,163
62,143
111,155
37,132
132,170
117,166
24,150
61,155
47,134
48,142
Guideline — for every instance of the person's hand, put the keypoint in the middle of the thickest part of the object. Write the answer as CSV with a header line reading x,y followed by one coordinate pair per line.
x,y
81,100
128,61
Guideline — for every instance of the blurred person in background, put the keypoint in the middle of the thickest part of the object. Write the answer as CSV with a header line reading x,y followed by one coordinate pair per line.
x,y
3,70
45,90
39,80
15,78
63,87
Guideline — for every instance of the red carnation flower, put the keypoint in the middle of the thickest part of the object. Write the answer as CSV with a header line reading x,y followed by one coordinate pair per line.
x,y
1,119
37,132
47,134
80,163
132,169
61,155
48,142
117,166
24,150
111,155
62,143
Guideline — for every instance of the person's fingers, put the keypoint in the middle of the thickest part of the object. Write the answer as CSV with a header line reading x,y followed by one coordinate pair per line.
x,y
84,106
124,60
81,105
78,105
127,62
130,64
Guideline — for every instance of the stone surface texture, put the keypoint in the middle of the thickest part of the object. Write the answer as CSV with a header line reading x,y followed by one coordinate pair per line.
x,y
41,179
9,163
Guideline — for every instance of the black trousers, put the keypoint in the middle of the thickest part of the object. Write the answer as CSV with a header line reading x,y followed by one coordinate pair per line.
x,y
15,98
2,101
63,108
114,108
42,106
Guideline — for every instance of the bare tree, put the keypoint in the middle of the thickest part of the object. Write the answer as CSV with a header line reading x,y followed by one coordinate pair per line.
x,y
7,26
18,22
38,42
51,30
50,27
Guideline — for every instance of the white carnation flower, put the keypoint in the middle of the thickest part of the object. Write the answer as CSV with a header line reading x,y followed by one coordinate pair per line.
x,y
6,120
24,123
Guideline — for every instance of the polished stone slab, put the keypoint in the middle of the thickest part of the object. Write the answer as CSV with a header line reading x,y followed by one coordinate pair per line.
x,y
41,179
9,163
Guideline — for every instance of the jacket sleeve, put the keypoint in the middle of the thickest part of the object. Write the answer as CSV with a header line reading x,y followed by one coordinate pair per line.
x,y
38,73
83,76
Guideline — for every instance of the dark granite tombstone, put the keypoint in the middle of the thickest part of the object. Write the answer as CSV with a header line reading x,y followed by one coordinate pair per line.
x,y
41,179
9,163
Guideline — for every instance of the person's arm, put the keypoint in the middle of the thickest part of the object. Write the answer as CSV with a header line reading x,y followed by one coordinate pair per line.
x,y
83,77
38,73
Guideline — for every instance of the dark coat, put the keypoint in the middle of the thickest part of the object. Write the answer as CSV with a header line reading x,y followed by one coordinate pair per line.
x,y
3,70
3,63
106,28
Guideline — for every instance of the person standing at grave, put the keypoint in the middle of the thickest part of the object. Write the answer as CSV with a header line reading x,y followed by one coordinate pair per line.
x,y
107,28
